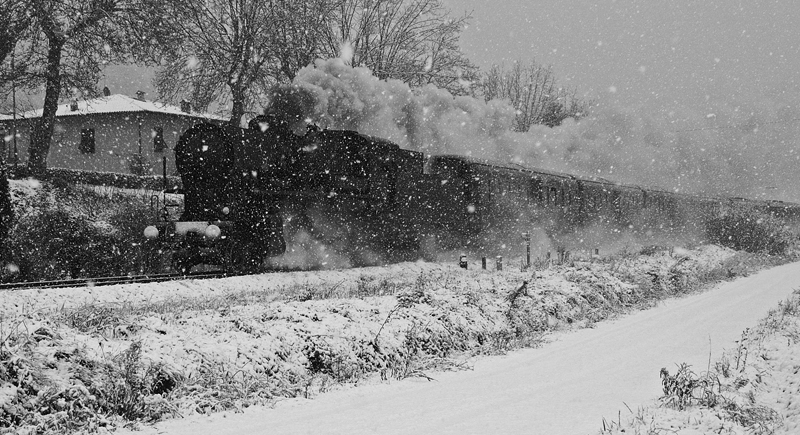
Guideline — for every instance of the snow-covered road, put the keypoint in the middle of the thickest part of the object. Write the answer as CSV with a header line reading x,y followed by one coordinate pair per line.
x,y
565,387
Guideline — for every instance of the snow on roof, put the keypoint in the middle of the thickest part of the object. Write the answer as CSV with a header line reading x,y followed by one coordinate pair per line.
x,y
117,103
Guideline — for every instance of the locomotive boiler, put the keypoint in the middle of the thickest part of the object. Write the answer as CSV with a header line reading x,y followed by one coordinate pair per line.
x,y
247,190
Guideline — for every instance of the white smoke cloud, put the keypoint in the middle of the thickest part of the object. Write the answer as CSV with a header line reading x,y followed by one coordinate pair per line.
x,y
346,52
738,144
426,119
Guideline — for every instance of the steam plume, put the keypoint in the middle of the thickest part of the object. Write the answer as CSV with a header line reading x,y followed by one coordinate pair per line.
x,y
737,144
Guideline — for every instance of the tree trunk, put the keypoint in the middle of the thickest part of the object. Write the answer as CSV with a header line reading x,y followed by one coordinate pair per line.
x,y
6,212
43,129
237,111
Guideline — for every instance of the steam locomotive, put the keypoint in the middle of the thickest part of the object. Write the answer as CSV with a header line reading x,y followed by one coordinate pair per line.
x,y
248,191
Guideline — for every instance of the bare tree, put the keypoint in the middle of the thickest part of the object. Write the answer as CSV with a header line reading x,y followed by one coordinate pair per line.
x,y
16,23
75,37
222,52
534,93
415,41
231,52
16,37
301,35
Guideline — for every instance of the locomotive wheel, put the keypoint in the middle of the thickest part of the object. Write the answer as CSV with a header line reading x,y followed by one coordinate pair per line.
x,y
243,258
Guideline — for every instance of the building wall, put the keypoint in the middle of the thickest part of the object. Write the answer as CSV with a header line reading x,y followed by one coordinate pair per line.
x,y
117,141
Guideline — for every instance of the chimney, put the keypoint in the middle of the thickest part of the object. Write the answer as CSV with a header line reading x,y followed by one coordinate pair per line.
x,y
106,91
186,106
73,106
140,95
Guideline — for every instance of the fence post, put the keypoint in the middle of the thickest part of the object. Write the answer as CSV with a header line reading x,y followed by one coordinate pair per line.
x,y
483,263
499,263
462,261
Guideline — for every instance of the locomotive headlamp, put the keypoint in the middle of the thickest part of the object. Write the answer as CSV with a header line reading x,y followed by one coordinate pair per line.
x,y
213,232
151,233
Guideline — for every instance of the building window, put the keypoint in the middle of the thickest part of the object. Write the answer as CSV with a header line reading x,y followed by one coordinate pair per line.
x,y
158,140
87,141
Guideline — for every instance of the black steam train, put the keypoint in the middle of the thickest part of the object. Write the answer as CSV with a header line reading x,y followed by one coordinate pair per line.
x,y
248,191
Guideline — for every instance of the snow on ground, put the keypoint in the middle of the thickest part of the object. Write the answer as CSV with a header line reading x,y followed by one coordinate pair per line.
x,y
567,386
345,281
21,189
262,335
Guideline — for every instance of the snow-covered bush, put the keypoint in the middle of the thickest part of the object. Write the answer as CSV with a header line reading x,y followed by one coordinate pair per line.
x,y
37,395
108,179
75,232
747,229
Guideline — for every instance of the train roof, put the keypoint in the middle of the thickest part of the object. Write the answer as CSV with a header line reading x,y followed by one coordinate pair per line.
x,y
519,167
589,179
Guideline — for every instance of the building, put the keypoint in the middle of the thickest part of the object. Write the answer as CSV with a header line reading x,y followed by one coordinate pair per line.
x,y
113,133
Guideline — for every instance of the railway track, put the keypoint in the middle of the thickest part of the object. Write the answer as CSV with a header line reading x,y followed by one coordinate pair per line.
x,y
110,280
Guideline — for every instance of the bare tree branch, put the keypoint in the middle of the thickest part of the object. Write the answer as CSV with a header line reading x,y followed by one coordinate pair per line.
x,y
533,92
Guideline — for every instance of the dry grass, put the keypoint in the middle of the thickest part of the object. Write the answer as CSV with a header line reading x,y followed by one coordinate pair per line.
x,y
436,322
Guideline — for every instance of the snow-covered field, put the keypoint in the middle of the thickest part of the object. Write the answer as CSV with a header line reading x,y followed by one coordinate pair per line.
x,y
200,350
577,380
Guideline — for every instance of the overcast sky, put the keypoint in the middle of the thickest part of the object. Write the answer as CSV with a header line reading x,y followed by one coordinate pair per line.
x,y
642,50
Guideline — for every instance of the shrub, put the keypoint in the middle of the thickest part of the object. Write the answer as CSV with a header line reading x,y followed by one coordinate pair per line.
x,y
751,230
132,388
112,179
75,232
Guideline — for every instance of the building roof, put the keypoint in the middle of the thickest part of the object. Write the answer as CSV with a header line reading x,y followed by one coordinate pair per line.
x,y
117,103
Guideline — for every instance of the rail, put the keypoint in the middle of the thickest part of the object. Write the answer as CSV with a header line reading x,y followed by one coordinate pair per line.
x,y
109,280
